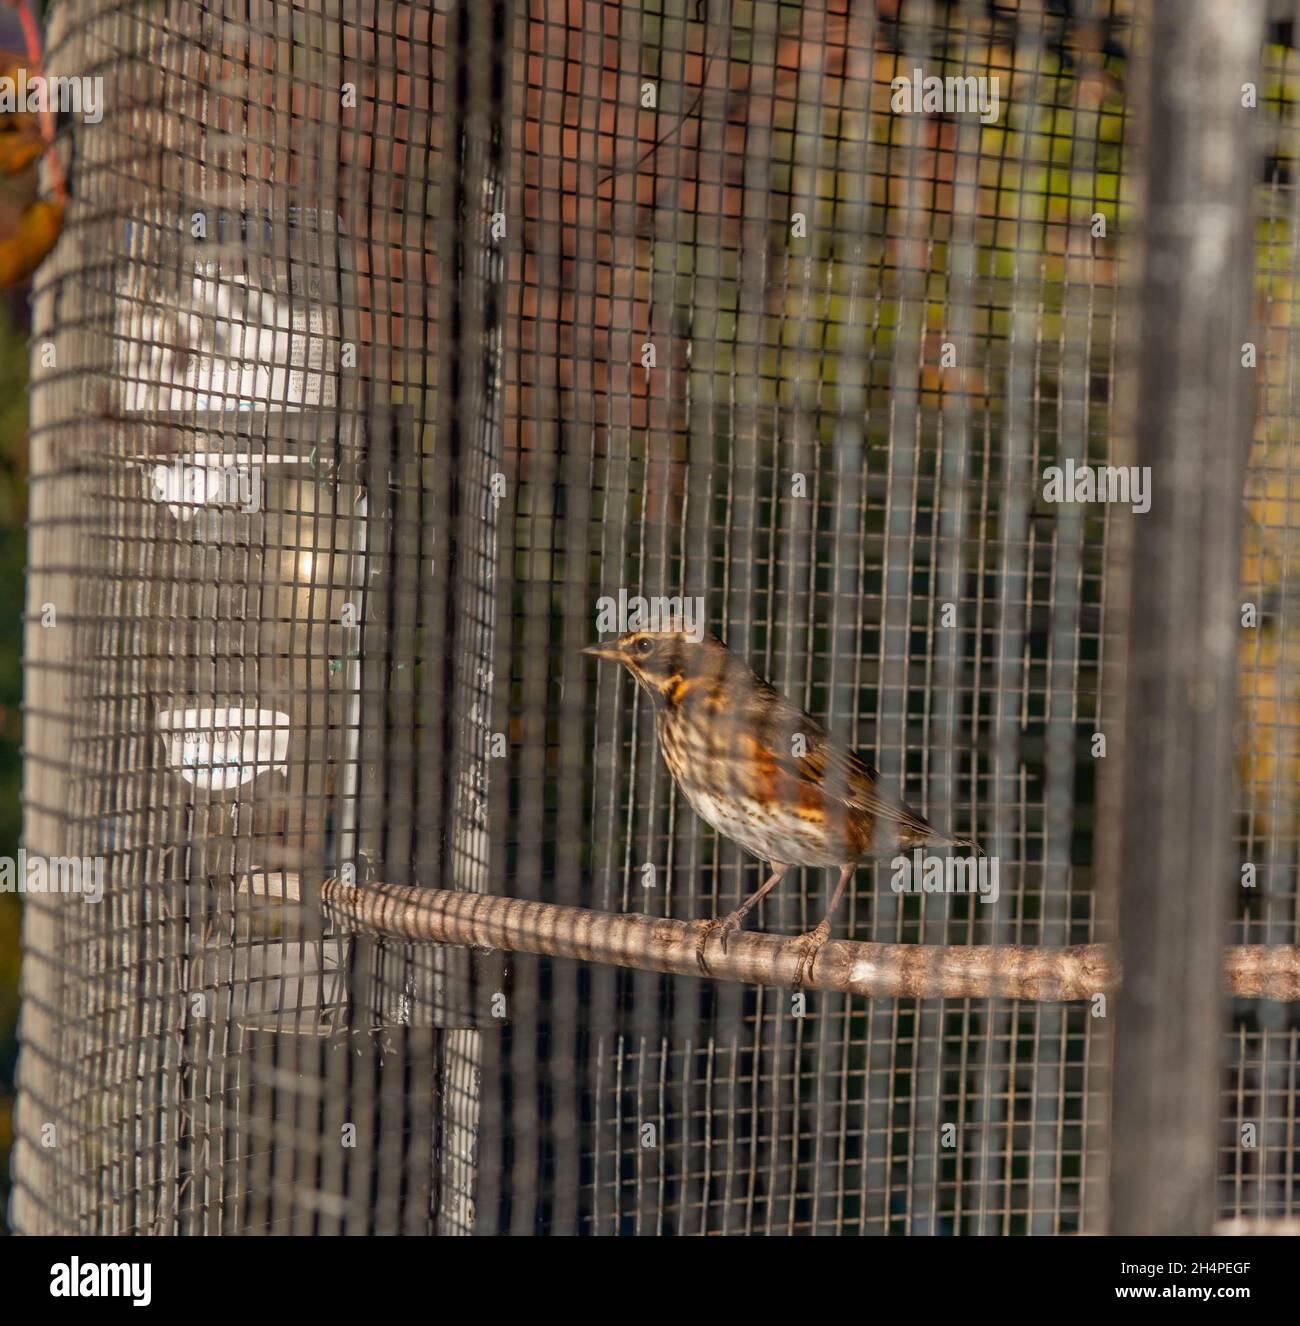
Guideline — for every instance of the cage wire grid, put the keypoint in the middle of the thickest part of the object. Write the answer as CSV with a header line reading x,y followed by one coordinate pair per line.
x,y
505,308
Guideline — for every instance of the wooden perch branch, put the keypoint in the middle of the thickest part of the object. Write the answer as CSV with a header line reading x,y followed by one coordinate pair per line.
x,y
953,971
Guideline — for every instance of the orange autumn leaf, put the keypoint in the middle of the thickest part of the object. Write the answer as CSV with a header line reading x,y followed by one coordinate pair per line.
x,y
38,232
18,151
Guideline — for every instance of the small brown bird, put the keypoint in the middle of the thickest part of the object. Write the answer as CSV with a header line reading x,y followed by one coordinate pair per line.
x,y
764,773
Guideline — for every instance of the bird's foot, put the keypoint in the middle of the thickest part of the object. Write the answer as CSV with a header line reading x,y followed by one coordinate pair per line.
x,y
722,926
808,947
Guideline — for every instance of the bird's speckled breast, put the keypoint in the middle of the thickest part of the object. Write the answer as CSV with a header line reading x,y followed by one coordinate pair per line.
x,y
725,788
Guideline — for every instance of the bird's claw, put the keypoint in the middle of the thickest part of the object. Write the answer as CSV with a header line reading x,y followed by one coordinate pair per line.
x,y
809,946
722,926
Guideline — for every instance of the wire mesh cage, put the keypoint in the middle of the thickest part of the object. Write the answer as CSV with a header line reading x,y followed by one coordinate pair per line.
x,y
403,351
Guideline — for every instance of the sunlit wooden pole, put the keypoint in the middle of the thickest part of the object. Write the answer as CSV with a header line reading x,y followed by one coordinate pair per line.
x,y
649,943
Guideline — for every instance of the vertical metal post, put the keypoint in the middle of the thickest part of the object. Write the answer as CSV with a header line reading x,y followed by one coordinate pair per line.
x,y
476,145
1192,431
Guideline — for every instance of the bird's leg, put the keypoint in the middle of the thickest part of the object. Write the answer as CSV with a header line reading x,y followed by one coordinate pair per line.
x,y
810,944
734,920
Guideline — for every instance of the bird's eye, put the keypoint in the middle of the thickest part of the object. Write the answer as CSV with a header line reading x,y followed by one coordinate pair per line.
x,y
643,646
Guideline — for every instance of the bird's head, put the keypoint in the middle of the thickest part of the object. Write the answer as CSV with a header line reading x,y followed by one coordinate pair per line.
x,y
666,664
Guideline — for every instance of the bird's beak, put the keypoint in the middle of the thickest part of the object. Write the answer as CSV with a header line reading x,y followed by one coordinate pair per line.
x,y
605,651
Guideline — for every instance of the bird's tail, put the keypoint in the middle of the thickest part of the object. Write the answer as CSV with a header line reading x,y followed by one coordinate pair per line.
x,y
969,843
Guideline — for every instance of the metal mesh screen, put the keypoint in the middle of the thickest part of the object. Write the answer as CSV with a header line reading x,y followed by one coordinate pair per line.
x,y
394,344
796,260
1261,1091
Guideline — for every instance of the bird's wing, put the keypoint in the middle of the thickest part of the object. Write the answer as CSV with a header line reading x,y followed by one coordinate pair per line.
x,y
836,771
842,774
